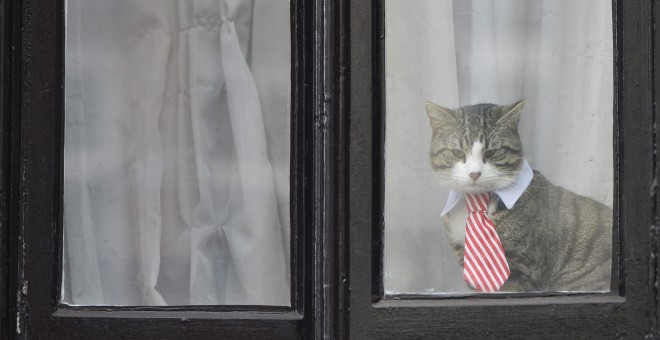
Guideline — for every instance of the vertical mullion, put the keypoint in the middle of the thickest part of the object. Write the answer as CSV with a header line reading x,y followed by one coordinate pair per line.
x,y
655,237
330,81
4,183
342,93
324,174
636,170
12,126
8,119
378,223
361,170
319,295
40,118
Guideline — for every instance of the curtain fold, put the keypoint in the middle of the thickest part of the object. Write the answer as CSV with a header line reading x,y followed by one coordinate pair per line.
x,y
169,189
257,242
557,55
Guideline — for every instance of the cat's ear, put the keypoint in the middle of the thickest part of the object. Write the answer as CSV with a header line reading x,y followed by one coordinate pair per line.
x,y
439,115
511,115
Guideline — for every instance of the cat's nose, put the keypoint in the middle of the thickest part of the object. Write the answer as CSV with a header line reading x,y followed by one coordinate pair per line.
x,y
475,176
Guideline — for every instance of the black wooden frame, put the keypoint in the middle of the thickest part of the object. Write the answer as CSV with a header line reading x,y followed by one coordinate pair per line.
x,y
630,310
7,97
31,187
338,127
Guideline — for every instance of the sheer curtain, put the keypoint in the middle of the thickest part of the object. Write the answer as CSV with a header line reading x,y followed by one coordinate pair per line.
x,y
555,54
177,152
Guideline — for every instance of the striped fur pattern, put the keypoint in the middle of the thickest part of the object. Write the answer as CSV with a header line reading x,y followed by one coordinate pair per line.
x,y
554,240
481,139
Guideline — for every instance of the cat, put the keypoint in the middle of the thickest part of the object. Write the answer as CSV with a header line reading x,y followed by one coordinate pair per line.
x,y
554,240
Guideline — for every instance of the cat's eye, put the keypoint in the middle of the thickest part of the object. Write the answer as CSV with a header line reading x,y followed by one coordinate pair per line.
x,y
458,154
494,154
489,154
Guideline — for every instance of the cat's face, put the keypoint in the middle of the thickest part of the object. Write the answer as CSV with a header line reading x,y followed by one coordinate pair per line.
x,y
476,148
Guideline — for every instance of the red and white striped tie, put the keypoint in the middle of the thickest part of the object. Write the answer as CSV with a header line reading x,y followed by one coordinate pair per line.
x,y
485,267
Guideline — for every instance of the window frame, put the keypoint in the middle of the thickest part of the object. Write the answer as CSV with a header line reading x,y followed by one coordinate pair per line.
x,y
6,98
32,144
337,169
631,307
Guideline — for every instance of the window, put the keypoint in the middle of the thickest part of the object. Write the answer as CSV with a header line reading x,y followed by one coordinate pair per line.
x,y
337,181
39,269
548,66
376,315
176,153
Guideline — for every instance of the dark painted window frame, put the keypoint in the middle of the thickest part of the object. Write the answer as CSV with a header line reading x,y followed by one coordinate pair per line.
x,y
338,129
630,310
31,215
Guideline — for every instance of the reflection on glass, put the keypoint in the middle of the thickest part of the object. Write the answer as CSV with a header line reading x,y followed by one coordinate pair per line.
x,y
479,93
177,152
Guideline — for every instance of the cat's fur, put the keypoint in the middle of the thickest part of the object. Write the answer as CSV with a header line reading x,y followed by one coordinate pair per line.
x,y
554,240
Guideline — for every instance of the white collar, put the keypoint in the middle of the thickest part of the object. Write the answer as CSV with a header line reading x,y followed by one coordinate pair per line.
x,y
508,195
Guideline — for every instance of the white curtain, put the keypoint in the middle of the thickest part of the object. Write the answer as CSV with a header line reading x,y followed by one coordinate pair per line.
x,y
554,54
177,152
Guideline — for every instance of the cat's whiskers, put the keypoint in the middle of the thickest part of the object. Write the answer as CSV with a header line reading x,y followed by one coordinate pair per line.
x,y
432,179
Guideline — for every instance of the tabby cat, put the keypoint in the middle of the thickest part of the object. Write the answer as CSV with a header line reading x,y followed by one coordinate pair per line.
x,y
553,239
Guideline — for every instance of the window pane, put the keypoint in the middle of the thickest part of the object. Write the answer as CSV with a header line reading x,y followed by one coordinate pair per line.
x,y
547,68
177,145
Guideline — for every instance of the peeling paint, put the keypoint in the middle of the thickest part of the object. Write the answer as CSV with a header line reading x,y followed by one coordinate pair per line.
x,y
18,313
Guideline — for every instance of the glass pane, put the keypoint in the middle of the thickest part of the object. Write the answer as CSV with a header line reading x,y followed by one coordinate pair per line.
x,y
479,93
177,145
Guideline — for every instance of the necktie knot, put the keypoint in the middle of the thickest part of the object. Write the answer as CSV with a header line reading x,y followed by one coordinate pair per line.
x,y
477,202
